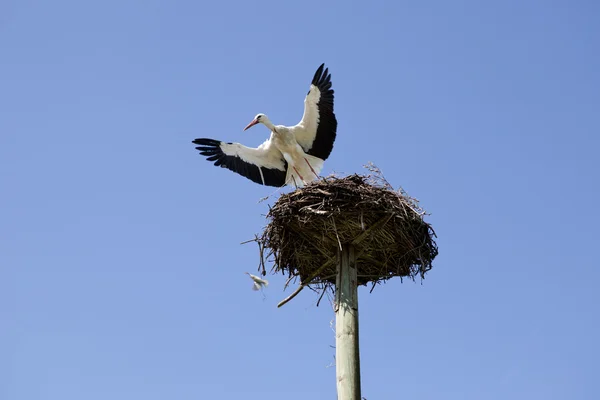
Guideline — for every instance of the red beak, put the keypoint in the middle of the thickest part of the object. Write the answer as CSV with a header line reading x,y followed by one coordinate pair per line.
x,y
251,124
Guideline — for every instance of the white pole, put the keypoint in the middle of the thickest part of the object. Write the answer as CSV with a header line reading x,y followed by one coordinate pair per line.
x,y
347,358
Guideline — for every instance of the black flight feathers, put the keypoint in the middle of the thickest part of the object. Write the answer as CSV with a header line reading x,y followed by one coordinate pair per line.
x,y
212,150
326,130
322,80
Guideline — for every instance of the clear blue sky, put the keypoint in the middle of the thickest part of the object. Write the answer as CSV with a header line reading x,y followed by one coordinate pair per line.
x,y
121,272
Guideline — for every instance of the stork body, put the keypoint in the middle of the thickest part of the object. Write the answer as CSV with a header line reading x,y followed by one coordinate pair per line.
x,y
301,166
292,155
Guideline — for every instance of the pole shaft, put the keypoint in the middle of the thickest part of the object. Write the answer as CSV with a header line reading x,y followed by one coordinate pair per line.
x,y
347,358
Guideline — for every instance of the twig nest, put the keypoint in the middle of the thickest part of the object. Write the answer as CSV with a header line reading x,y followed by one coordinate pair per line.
x,y
308,226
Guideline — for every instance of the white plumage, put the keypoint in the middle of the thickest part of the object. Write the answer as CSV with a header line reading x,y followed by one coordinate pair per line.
x,y
258,282
291,155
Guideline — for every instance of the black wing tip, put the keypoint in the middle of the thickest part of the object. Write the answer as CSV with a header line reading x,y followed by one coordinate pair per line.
x,y
322,79
206,142
320,74
210,148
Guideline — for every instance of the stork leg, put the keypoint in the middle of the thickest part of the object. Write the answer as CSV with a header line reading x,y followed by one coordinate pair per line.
x,y
300,176
311,168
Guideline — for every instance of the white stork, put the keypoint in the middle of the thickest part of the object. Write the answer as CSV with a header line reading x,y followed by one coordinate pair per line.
x,y
293,154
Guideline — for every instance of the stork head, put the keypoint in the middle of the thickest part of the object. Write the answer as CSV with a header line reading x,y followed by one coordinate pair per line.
x,y
259,119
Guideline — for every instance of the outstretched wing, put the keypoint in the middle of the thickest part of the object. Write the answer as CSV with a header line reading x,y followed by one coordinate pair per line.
x,y
264,165
317,130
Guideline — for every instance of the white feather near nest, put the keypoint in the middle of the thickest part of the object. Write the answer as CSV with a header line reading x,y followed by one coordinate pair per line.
x,y
258,283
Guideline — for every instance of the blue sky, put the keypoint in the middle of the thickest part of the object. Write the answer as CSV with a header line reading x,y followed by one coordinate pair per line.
x,y
121,272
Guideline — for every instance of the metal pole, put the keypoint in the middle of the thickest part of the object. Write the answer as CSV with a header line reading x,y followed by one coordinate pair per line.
x,y
347,358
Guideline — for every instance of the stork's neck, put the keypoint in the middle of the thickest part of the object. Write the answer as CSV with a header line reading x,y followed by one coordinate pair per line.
x,y
269,125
